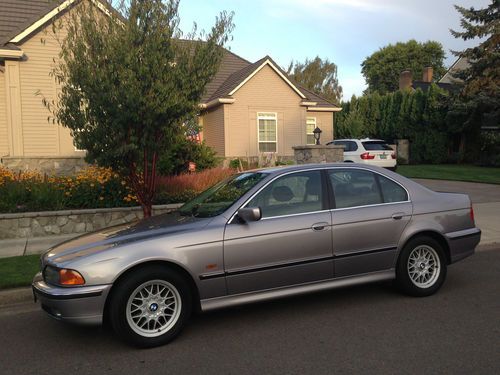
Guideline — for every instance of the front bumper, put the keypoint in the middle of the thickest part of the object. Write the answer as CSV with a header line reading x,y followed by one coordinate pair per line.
x,y
463,243
82,305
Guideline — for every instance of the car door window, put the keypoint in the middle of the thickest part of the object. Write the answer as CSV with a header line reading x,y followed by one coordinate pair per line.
x,y
295,193
391,191
354,187
352,146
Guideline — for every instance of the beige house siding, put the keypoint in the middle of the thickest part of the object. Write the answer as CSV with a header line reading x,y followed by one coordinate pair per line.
x,y
41,137
264,92
324,121
212,123
4,143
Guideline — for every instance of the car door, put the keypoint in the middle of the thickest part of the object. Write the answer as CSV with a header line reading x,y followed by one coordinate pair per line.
x,y
290,244
370,214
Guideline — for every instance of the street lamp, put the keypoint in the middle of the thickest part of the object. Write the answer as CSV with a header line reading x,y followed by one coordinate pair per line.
x,y
317,135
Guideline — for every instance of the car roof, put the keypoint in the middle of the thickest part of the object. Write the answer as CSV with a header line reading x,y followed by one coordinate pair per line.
x,y
359,139
304,167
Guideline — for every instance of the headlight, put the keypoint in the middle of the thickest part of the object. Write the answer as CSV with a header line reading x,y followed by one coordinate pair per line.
x,y
62,276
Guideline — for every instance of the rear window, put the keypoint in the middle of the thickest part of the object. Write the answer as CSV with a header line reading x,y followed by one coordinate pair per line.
x,y
376,146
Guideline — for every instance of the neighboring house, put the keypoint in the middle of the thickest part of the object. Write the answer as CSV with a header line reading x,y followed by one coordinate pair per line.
x,y
248,109
406,81
460,64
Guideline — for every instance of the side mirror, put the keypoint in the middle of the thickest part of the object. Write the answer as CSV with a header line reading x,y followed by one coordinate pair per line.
x,y
250,214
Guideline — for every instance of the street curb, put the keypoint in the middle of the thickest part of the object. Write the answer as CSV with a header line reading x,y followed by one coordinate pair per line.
x,y
16,295
24,294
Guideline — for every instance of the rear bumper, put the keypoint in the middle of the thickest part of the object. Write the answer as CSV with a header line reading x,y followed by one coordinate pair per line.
x,y
463,243
82,305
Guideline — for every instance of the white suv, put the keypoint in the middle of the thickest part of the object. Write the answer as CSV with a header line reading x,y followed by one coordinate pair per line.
x,y
369,151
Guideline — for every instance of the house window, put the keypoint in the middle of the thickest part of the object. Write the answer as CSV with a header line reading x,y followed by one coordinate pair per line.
x,y
267,131
310,126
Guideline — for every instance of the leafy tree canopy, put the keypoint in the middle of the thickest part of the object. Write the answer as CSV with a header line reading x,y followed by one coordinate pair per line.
x,y
128,82
480,97
319,76
382,68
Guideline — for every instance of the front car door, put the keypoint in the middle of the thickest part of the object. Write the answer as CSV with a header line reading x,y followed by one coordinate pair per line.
x,y
370,214
291,244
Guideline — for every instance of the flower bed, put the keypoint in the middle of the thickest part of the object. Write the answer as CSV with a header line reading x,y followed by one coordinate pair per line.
x,y
92,188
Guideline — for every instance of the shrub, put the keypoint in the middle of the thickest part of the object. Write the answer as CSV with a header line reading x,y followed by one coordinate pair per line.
x,y
176,160
174,189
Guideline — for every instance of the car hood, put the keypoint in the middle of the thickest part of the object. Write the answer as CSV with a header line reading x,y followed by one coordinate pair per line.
x,y
99,241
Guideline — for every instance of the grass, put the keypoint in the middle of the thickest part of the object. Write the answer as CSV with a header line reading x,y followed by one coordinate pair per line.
x,y
456,172
18,271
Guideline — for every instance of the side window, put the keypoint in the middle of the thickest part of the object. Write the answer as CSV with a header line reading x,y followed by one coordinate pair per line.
x,y
353,146
353,188
391,191
295,193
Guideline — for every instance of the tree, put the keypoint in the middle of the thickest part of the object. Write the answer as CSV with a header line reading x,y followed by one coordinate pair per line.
x,y
479,100
128,83
318,76
382,68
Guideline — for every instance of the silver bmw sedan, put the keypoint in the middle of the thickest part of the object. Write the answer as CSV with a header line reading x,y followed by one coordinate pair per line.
x,y
256,236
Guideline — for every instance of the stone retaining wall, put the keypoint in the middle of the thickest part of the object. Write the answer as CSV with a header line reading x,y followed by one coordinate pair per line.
x,y
49,223
311,154
63,166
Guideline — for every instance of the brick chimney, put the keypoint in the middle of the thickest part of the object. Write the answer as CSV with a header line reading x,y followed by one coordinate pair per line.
x,y
427,75
405,80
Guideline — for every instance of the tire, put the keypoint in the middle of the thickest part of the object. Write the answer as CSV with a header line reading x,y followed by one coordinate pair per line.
x,y
421,268
150,306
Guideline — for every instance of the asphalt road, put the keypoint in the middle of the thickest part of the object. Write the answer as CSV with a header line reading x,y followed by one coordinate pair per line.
x,y
366,329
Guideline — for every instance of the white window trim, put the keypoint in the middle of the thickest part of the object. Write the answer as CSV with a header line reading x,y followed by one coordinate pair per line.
x,y
315,124
261,116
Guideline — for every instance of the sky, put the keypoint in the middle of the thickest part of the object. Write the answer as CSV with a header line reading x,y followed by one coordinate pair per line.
x,y
343,31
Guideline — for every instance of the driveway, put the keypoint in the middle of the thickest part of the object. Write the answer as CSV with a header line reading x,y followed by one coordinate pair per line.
x,y
486,202
479,193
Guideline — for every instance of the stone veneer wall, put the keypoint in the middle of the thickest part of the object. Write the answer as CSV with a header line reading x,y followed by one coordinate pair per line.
x,y
52,166
48,223
312,154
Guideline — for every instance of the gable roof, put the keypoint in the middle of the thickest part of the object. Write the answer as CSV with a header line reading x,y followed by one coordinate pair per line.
x,y
17,15
461,63
239,77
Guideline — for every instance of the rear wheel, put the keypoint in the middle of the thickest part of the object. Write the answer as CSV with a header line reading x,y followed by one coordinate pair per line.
x,y
421,268
150,306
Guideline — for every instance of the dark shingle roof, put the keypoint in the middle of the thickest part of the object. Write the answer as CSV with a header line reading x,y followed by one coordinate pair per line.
x,y
424,86
17,15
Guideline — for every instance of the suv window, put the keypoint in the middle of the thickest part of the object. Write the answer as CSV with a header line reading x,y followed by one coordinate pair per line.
x,y
353,187
348,145
391,191
295,193
376,146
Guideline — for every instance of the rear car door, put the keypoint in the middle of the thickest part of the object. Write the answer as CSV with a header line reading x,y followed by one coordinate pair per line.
x,y
370,214
291,244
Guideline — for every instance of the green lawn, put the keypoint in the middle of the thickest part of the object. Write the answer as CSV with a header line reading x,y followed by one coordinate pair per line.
x,y
458,172
18,271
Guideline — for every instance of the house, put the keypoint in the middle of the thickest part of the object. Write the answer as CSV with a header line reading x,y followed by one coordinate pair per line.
x,y
406,81
249,109
461,63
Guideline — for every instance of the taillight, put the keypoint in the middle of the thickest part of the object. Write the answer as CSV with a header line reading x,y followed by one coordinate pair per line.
x,y
472,214
393,155
367,156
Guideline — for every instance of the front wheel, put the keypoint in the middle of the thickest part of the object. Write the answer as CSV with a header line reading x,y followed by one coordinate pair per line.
x,y
150,306
421,268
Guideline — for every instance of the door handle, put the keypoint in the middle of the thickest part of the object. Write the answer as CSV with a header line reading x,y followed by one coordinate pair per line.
x,y
398,215
319,226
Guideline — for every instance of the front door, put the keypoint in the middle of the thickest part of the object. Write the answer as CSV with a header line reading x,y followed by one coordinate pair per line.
x,y
291,244
371,212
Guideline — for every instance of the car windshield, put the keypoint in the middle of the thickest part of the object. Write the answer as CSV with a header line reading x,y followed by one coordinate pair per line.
x,y
221,196
376,146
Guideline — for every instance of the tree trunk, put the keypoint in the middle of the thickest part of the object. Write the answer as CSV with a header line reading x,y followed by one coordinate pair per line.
x,y
147,210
